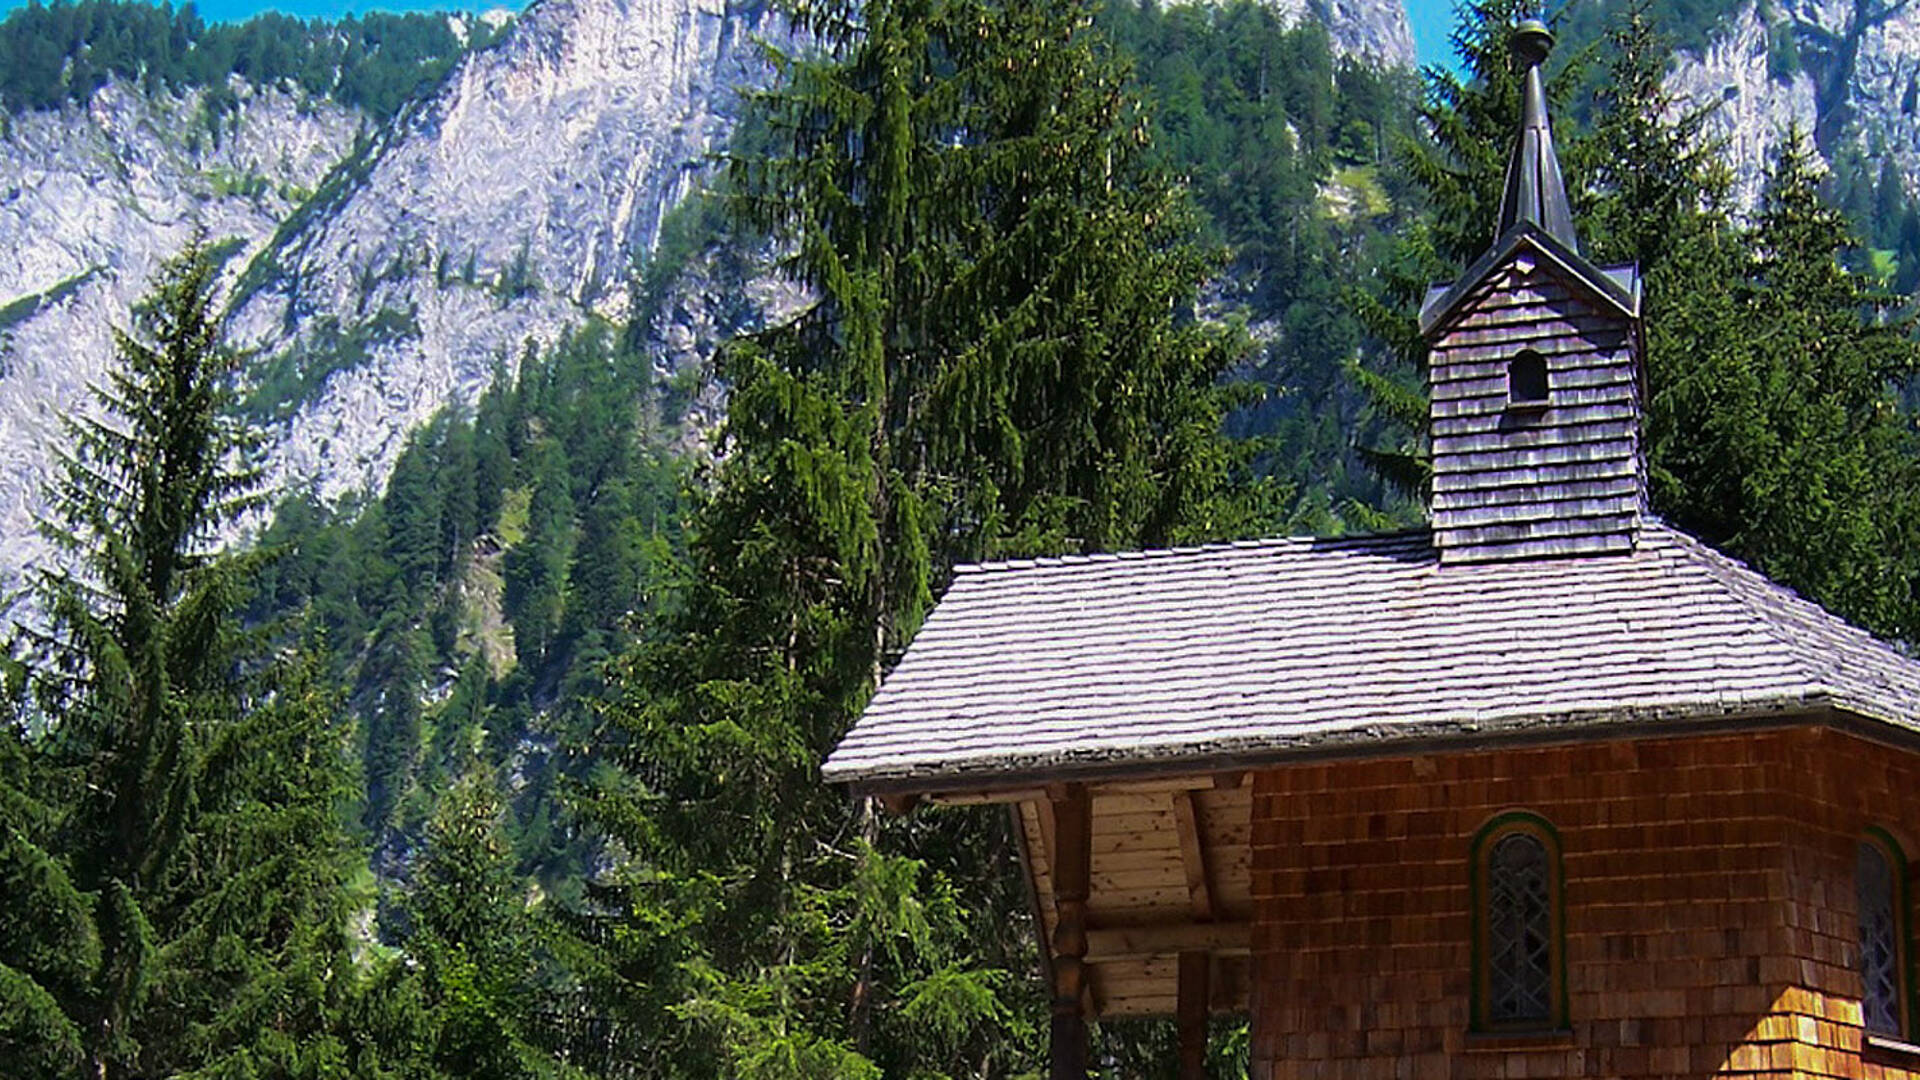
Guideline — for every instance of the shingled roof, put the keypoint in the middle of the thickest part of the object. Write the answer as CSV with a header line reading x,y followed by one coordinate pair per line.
x,y
1256,651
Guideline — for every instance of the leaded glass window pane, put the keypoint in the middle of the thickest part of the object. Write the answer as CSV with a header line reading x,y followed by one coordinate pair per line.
x,y
1519,931
1879,945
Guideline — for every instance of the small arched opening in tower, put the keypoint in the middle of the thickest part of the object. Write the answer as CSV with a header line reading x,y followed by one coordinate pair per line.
x,y
1527,380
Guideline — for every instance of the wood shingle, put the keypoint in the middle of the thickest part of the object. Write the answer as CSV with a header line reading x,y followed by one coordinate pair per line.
x,y
1257,651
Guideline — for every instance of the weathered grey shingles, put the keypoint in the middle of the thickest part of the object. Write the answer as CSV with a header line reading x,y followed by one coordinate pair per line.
x,y
1293,643
1480,442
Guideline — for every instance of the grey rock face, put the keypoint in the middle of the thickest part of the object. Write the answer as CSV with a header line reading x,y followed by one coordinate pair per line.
x,y
518,202
383,274
1751,107
1376,31
509,208
91,200
1854,81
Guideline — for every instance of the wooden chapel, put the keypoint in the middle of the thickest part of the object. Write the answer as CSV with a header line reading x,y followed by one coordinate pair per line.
x,y
1548,789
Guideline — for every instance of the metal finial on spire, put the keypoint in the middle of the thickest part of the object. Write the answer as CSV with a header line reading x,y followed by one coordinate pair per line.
x,y
1534,193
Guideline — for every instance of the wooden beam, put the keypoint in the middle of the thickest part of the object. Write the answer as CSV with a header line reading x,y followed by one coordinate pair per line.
x,y
1072,855
1193,855
899,805
1190,1013
985,798
1158,785
1049,832
1144,942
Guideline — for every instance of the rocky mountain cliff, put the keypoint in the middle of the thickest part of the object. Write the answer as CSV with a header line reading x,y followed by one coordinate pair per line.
x,y
1845,71
508,207
91,199
1372,30
384,270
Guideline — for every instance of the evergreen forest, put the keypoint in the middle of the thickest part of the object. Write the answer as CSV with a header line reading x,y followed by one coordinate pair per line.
x,y
511,770
65,51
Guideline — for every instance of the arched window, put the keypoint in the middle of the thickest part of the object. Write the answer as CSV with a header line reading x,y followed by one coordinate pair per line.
x,y
1527,379
1879,886
1519,961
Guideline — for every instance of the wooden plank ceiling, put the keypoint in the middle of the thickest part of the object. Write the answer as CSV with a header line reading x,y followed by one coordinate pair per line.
x,y
1169,874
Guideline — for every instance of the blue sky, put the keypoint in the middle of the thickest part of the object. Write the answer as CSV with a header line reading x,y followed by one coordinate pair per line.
x,y
1432,19
229,10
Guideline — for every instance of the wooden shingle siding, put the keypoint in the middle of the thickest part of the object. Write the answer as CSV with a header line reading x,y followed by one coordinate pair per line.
x,y
1490,394
1558,474
1708,899
1611,411
1565,513
1602,488
1522,481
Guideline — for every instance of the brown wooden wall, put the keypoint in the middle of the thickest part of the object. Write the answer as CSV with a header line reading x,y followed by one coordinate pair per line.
x,y
1710,926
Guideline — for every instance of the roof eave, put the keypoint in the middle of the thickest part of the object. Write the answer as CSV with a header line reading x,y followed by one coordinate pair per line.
x,y
1812,710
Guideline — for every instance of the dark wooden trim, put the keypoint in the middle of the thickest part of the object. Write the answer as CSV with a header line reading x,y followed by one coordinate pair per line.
x,y
1190,1011
1903,962
1895,1053
1509,1042
1479,849
1455,739
1072,865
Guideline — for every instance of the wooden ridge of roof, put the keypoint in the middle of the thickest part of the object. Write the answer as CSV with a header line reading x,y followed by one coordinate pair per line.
x,y
1231,655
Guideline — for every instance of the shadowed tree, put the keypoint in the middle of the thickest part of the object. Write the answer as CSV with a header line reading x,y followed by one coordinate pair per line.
x,y
1000,360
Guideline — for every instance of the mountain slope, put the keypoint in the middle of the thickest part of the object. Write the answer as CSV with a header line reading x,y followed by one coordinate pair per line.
x,y
1847,71
91,199
504,210
385,268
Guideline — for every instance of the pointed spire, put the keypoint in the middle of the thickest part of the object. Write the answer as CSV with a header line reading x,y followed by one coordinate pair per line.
x,y
1534,193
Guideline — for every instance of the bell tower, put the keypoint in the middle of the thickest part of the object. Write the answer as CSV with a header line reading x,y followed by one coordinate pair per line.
x,y
1534,372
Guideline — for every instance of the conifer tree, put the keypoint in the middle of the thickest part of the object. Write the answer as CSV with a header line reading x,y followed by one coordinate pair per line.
x,y
1659,188
469,1002
180,787
994,365
1470,117
1777,435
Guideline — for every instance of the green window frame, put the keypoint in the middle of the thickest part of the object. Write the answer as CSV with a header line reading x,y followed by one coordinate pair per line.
x,y
1511,912
1896,934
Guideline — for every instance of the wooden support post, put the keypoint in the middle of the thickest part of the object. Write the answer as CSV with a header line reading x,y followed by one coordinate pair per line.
x,y
1072,871
1190,1011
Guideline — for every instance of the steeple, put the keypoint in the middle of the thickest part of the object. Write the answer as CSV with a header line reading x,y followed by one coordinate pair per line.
x,y
1534,374
1535,194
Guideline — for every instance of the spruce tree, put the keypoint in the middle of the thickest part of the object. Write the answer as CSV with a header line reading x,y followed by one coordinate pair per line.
x,y
1777,435
470,1000
181,785
1470,117
997,363
1659,187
